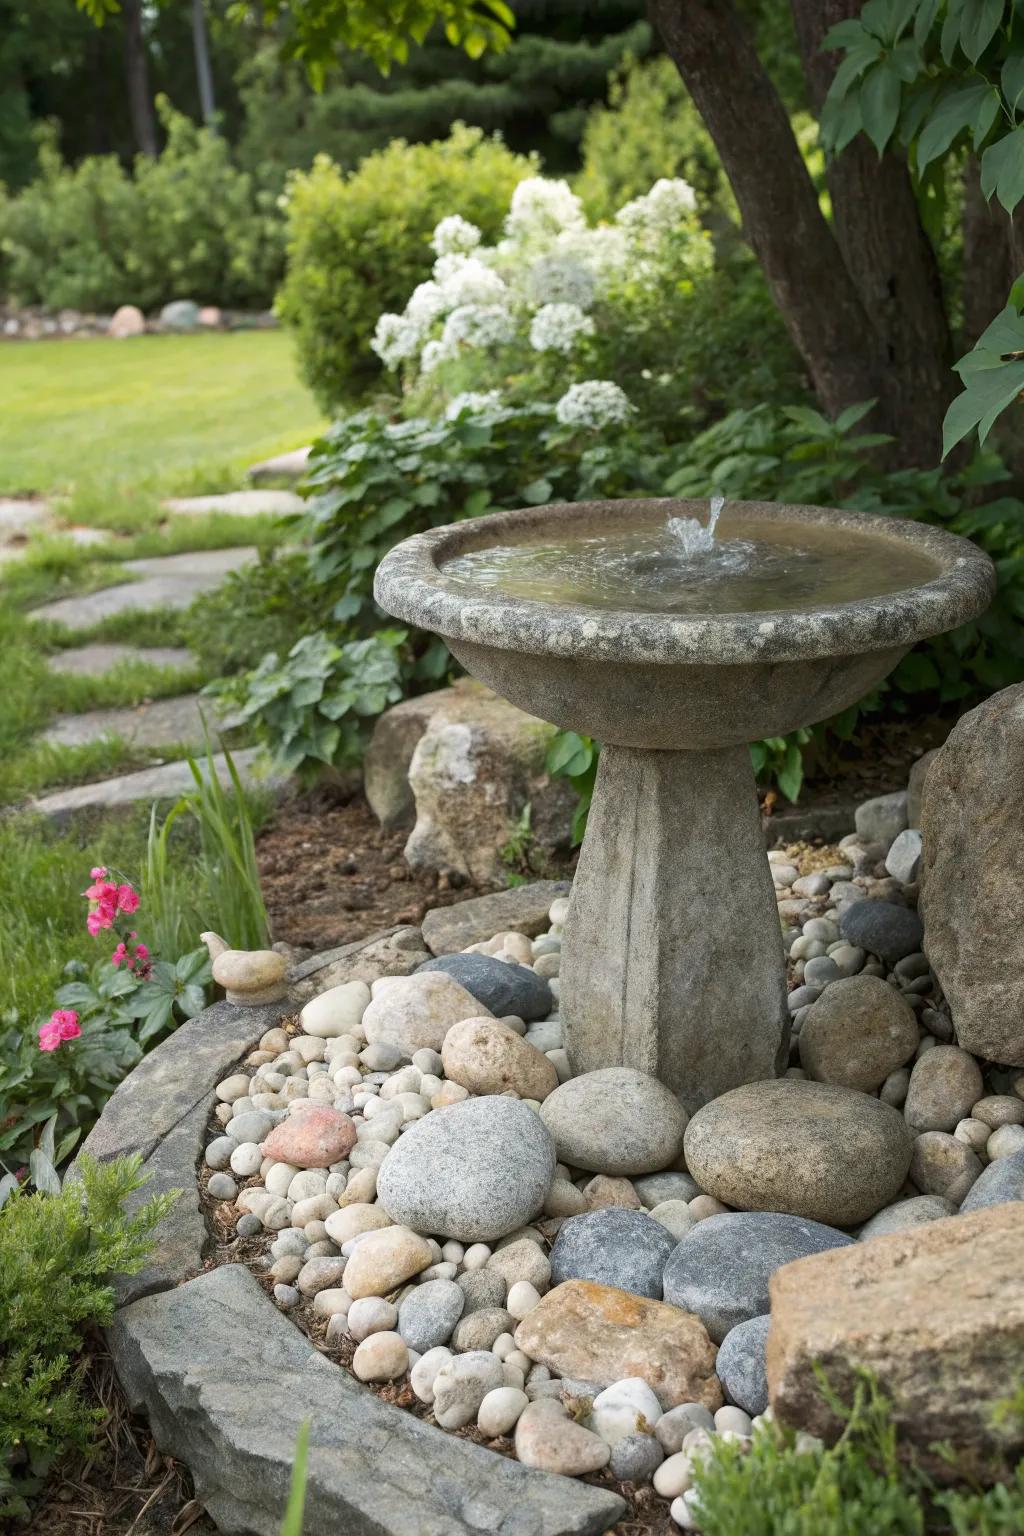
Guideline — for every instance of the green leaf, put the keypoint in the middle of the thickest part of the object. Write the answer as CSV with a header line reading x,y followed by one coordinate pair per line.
x,y
916,673
1002,169
853,413
987,115
537,492
978,26
925,20
1011,79
292,1524
953,113
568,755
986,396
791,774
880,103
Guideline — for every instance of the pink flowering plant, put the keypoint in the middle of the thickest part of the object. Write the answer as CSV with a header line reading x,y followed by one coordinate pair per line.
x,y
105,1017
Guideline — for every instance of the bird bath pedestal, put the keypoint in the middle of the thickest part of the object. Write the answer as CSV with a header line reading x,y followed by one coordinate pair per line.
x,y
672,958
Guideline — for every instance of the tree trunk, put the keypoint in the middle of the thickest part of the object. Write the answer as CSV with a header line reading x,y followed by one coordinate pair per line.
x,y
715,55
988,256
204,75
137,70
887,254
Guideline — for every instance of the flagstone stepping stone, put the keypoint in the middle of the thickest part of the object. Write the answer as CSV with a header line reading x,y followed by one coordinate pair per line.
x,y
20,516
166,581
162,723
94,660
165,782
282,466
238,504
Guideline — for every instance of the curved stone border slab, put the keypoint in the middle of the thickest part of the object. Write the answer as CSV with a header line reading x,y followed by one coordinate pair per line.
x,y
226,1379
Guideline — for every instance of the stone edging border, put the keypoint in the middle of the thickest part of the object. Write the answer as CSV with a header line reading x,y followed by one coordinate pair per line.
x,y
226,1380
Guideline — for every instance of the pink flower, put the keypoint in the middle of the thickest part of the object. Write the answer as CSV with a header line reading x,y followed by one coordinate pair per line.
x,y
49,1037
127,899
60,1026
141,952
119,956
99,872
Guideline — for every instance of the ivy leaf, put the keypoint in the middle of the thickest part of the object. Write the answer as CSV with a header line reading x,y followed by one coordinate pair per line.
x,y
1002,169
880,103
986,395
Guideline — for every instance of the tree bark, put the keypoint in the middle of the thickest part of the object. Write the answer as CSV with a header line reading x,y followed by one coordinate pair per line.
x,y
988,256
888,255
204,75
715,55
137,70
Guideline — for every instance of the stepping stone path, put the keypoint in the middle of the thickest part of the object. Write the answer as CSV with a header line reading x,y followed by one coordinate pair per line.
x,y
167,581
95,660
238,504
162,723
166,782
283,466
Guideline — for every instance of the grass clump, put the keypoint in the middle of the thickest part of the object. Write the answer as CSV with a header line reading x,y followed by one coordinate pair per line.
x,y
57,1254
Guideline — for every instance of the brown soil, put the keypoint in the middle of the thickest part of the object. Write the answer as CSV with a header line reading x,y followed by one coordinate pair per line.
x,y
330,874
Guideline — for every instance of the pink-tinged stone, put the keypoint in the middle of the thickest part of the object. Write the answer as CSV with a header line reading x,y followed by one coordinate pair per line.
x,y
314,1138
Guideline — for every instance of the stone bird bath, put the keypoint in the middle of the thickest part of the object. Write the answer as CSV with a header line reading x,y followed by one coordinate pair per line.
x,y
629,622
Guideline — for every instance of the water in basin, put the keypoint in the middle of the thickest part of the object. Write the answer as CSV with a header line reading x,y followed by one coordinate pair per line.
x,y
683,566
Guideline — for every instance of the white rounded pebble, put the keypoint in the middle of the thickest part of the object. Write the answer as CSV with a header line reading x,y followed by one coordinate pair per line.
x,y
286,1295
218,1153
674,1476
627,1407
733,1419
424,1372
453,1252
475,1257
334,1302
372,1314
222,1186
522,1298
1005,1141
427,1062
313,1181
232,1088
380,1357
278,1178
503,1346
683,1515
520,1360
500,1411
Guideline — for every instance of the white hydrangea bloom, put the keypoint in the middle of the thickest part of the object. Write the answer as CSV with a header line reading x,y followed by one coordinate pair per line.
x,y
541,208
477,325
455,235
395,340
426,304
669,203
467,280
484,402
557,327
561,280
594,403
434,352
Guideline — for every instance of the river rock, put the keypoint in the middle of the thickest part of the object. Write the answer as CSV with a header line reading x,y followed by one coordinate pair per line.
x,y
127,320
596,1333
615,1120
655,1188
614,1247
936,1315
548,1440
336,1011
473,1171
882,819
522,1260
627,1407
313,1137
488,1057
906,1214
383,1260
720,1271
883,928
428,1314
944,1084
809,1149
502,988
1001,1181
461,1385
972,897
416,1012
857,1032
742,1367
943,1165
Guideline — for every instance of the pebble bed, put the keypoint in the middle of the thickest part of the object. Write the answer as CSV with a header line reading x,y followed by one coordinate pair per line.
x,y
424,1181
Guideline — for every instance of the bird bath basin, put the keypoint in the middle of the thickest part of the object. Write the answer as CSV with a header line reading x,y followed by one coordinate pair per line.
x,y
629,622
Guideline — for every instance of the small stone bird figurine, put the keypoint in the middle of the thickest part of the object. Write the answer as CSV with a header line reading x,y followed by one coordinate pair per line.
x,y
250,977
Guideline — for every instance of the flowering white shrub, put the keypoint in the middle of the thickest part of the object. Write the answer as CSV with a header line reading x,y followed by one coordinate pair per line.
x,y
594,403
552,303
557,327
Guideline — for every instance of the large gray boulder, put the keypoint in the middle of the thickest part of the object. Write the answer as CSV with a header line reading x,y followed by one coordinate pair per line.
x,y
972,898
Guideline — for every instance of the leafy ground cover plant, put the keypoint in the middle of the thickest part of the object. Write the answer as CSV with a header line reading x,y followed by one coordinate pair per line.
x,y
57,1254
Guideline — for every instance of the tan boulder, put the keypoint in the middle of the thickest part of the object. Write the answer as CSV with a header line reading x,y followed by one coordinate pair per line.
x,y
935,1313
597,1333
384,1260
857,1033
487,1056
416,1012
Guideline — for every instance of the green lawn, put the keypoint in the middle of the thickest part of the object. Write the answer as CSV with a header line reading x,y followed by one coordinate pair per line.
x,y
164,407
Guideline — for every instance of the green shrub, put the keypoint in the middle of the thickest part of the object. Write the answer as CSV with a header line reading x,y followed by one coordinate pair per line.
x,y
188,224
358,244
259,608
57,1253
